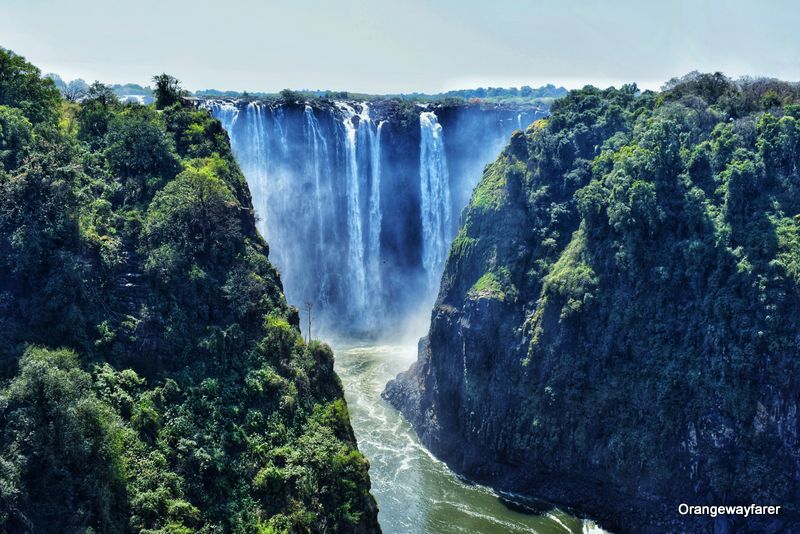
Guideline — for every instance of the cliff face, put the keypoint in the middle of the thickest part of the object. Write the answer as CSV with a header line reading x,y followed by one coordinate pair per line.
x,y
153,375
617,329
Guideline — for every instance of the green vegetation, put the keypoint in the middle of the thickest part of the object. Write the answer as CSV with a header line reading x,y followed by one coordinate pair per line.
x,y
679,259
545,93
152,376
653,240
490,192
526,95
494,285
570,280
167,90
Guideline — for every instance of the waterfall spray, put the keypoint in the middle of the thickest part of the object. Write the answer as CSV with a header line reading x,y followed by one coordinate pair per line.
x,y
279,123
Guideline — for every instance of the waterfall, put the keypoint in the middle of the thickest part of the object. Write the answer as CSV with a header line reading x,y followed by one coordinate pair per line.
x,y
251,141
358,213
255,150
279,123
255,165
363,168
355,248
317,147
226,113
375,215
435,197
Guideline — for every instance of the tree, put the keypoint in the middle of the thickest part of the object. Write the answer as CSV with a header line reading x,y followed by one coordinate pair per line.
x,y
168,90
95,113
102,94
62,446
22,86
194,216
75,90
15,135
138,149
287,95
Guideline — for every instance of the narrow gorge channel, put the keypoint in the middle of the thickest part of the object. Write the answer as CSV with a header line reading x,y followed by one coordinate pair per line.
x,y
359,203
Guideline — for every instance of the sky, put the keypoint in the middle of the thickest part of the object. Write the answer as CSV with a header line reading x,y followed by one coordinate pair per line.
x,y
398,46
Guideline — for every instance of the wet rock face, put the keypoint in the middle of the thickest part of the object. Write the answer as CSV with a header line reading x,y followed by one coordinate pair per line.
x,y
597,343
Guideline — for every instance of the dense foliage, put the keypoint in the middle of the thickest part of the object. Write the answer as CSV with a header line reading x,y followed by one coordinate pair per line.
x,y
153,376
622,305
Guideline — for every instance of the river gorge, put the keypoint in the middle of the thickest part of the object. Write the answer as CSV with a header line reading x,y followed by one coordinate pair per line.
x,y
359,203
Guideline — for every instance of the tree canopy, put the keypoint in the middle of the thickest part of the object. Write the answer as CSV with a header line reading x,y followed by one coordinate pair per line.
x,y
152,376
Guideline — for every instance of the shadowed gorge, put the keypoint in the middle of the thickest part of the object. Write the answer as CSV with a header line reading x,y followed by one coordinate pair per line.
x,y
363,198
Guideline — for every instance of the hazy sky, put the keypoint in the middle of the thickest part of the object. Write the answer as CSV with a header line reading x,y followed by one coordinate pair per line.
x,y
403,46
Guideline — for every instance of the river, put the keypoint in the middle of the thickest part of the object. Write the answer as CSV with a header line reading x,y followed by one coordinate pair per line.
x,y
416,493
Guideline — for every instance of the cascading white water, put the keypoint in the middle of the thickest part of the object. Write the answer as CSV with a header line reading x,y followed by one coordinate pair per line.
x,y
362,163
358,289
255,165
434,197
375,214
226,113
358,223
279,123
317,147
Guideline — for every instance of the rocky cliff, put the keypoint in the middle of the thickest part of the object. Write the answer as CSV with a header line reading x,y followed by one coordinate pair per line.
x,y
617,325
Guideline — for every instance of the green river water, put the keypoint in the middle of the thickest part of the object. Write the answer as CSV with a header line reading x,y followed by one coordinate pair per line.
x,y
416,493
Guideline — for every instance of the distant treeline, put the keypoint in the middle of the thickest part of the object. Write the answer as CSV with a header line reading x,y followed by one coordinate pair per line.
x,y
74,90
526,91
489,94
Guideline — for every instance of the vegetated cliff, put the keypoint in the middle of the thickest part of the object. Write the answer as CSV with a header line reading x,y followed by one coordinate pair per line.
x,y
618,325
154,377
